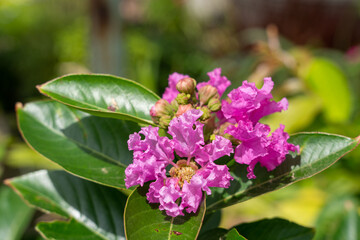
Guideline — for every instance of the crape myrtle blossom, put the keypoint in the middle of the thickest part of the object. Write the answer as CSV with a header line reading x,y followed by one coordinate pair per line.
x,y
182,187
245,106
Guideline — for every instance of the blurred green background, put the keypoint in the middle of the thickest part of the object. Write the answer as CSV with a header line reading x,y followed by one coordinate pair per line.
x,y
311,49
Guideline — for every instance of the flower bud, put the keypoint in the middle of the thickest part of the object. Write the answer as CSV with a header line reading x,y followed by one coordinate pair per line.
x,y
214,104
206,113
183,109
183,98
165,121
186,85
206,93
161,108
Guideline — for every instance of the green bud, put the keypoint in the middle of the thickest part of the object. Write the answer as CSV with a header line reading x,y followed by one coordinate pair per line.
x,y
165,121
206,93
206,113
186,85
214,104
183,98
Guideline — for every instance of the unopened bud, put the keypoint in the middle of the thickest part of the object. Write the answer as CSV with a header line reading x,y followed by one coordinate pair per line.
x,y
183,109
214,104
186,85
183,98
165,121
161,108
206,93
206,113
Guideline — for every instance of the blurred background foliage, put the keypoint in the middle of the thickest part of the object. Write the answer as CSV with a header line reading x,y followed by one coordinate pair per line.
x,y
311,49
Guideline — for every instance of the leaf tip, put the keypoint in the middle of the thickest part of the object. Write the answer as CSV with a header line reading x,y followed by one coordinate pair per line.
x,y
357,139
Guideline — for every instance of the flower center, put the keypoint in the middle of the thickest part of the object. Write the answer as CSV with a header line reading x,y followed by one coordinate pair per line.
x,y
183,172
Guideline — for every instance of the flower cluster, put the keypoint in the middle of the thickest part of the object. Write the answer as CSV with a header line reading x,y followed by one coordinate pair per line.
x,y
201,129
192,168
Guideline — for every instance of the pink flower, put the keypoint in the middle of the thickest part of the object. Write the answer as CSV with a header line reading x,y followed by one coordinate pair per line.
x,y
216,80
250,103
257,147
189,176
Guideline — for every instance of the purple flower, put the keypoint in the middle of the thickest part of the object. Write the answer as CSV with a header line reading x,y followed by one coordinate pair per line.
x,y
171,92
250,103
216,80
182,188
257,147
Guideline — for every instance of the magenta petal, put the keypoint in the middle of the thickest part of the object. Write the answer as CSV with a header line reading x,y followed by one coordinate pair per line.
x,y
277,149
216,80
187,133
168,196
171,92
153,195
250,103
141,171
216,175
219,148
192,193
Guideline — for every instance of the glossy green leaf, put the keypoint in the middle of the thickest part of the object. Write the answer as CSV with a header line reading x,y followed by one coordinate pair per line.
x,y
339,219
211,221
98,208
275,229
233,234
328,81
65,231
146,221
103,95
318,151
15,214
91,147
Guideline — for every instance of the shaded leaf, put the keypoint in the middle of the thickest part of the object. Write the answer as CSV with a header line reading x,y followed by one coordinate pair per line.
x,y
214,234
275,229
211,220
65,231
103,95
318,151
146,221
98,208
91,147
15,214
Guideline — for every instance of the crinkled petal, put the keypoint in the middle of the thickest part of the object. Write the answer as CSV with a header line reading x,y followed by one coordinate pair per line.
x,y
153,195
161,147
219,148
216,175
277,149
168,195
192,193
187,133
250,103
171,92
141,171
216,80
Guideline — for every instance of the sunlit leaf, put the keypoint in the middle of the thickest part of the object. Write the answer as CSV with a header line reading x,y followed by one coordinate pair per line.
x,y
103,95
146,221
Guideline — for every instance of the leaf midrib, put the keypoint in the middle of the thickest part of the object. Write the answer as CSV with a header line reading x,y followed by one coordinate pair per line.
x,y
59,133
90,107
